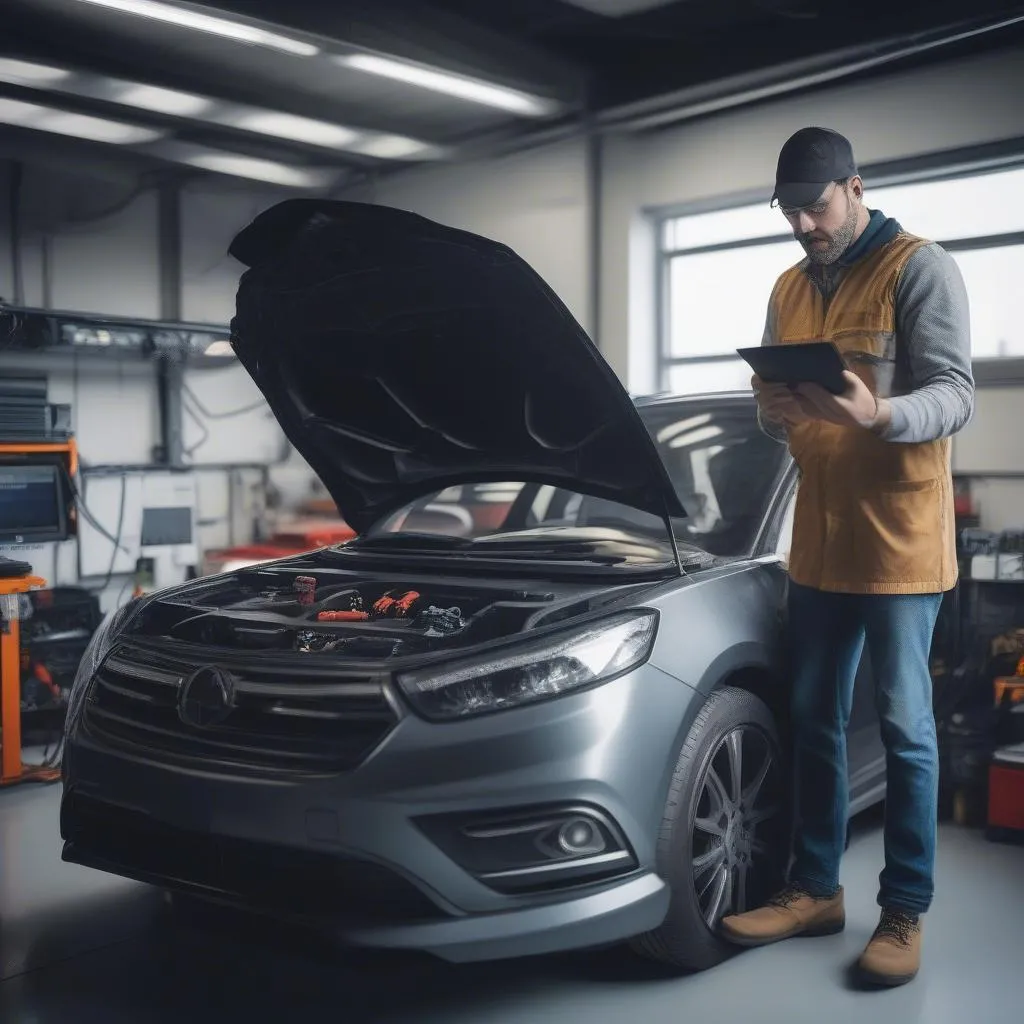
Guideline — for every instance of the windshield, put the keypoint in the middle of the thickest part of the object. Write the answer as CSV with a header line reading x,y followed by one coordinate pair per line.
x,y
723,467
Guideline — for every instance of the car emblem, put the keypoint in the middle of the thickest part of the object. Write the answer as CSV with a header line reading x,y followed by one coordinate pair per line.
x,y
206,698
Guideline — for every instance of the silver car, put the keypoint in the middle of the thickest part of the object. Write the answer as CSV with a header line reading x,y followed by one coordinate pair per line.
x,y
556,728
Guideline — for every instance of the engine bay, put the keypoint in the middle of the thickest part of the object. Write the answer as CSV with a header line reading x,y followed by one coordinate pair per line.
x,y
310,610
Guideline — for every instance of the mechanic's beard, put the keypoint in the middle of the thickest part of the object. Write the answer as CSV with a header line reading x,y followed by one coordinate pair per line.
x,y
838,243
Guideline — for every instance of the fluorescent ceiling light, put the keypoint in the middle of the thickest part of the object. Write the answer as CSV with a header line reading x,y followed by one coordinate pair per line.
x,y
162,101
172,102
391,147
81,126
29,73
250,167
237,165
184,17
290,126
471,89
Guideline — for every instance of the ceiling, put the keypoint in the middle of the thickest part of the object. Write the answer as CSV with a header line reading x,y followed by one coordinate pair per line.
x,y
310,94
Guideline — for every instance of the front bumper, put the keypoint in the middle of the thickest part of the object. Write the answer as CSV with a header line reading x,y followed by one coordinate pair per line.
x,y
349,852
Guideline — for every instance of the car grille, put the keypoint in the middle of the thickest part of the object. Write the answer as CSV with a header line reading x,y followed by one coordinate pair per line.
x,y
269,877
287,719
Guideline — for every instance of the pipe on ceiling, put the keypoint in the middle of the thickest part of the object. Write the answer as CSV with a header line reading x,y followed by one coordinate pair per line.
x,y
747,88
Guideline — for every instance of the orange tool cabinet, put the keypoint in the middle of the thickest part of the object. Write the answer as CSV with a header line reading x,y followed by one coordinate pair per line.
x,y
15,579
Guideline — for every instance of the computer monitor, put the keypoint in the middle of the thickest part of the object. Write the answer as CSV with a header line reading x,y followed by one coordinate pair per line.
x,y
33,508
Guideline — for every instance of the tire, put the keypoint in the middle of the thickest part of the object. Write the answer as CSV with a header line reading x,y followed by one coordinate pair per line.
x,y
712,867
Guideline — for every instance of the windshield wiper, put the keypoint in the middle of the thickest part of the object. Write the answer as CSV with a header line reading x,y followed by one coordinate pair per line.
x,y
409,540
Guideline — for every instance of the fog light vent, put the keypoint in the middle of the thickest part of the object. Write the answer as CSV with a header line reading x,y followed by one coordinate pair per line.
x,y
535,850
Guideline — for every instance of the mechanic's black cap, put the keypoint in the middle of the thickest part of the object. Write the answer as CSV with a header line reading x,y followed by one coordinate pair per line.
x,y
809,160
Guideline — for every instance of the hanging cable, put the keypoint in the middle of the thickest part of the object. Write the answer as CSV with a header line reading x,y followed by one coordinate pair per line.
x,y
186,405
87,515
116,540
227,414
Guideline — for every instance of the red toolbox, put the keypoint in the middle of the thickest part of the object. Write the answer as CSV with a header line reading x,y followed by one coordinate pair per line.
x,y
1006,789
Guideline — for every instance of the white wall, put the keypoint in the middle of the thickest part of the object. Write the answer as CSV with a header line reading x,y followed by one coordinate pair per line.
x,y
211,215
109,265
535,202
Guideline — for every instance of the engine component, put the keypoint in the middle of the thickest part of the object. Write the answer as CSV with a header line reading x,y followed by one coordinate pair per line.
x,y
441,621
343,616
310,642
397,607
305,587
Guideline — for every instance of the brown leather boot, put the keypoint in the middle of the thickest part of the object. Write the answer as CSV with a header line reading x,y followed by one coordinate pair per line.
x,y
893,956
790,912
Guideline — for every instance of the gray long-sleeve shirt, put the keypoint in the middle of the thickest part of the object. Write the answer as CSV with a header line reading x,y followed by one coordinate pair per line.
x,y
933,384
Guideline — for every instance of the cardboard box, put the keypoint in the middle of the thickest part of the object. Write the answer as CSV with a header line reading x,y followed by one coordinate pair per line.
x,y
983,567
1010,566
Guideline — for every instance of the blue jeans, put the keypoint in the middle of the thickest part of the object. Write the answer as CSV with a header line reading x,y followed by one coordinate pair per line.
x,y
827,633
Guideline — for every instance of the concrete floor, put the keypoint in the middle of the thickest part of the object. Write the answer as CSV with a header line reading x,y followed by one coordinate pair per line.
x,y
80,946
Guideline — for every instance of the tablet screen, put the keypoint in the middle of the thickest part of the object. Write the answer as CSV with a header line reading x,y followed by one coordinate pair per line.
x,y
816,362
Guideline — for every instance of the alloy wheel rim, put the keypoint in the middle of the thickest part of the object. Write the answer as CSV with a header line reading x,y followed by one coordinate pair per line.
x,y
737,806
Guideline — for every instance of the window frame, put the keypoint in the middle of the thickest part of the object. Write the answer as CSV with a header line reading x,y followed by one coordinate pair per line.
x,y
989,371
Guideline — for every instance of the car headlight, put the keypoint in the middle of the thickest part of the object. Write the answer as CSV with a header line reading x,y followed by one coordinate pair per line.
x,y
571,661
97,649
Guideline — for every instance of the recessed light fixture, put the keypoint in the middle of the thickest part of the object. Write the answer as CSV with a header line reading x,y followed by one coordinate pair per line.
x,y
26,72
290,126
81,126
185,17
462,87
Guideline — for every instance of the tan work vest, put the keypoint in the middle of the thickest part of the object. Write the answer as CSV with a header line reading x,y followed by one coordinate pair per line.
x,y
872,516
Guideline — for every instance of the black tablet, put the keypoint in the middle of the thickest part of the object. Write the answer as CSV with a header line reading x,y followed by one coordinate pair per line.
x,y
815,362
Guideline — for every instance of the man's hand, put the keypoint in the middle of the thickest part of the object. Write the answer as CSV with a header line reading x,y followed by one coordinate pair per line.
x,y
855,407
780,403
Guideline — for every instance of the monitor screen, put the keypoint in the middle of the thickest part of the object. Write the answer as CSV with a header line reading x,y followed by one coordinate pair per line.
x,y
30,503
163,526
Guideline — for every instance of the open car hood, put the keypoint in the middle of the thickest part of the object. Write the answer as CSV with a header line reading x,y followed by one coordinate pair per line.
x,y
402,357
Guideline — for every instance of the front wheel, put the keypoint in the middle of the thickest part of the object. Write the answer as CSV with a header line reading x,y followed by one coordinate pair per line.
x,y
723,843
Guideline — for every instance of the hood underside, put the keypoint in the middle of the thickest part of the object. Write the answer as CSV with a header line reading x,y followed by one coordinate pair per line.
x,y
401,357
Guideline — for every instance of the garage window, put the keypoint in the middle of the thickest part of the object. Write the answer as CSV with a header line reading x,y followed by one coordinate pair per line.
x,y
718,269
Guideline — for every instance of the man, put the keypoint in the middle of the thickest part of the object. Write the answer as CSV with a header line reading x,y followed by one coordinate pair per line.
x,y
873,544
